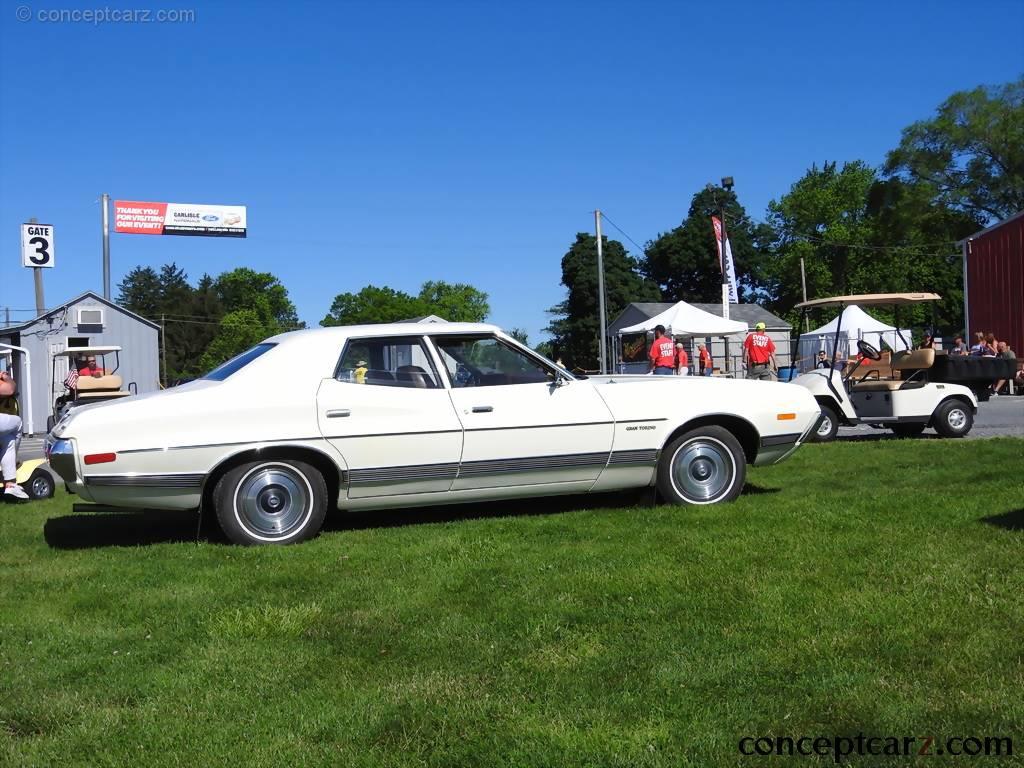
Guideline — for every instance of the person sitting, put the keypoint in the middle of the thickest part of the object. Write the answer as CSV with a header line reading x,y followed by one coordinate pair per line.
x,y
926,342
10,429
959,347
91,369
1004,353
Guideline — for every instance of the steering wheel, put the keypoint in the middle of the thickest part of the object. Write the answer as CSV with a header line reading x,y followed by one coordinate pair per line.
x,y
868,351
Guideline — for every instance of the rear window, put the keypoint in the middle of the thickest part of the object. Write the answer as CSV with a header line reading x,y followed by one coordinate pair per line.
x,y
221,372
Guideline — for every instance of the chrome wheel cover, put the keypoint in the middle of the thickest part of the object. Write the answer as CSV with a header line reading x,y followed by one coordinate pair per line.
x,y
824,426
956,418
273,501
40,487
702,470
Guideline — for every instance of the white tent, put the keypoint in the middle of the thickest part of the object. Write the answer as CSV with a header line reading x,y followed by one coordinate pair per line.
x,y
684,319
854,324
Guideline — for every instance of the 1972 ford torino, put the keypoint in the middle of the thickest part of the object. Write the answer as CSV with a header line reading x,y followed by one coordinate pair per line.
x,y
377,416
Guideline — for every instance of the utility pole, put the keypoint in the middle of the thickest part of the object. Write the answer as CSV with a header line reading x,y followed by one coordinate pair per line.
x,y
602,324
37,277
163,352
105,203
803,285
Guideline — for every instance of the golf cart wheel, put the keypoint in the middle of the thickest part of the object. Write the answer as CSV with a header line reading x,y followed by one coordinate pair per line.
x,y
40,485
953,418
271,502
706,465
828,425
907,430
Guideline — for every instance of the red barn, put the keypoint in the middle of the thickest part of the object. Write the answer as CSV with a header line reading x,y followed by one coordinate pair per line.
x,y
994,282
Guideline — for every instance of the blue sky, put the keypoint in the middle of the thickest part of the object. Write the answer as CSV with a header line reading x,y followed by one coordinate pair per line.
x,y
397,142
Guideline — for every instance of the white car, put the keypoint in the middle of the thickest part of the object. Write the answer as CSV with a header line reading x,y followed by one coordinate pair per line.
x,y
379,416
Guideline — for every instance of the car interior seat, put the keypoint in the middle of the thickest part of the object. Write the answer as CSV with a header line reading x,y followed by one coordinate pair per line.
x,y
415,375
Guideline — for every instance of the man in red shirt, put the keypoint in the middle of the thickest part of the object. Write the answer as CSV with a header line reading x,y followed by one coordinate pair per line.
x,y
662,354
707,368
759,351
682,360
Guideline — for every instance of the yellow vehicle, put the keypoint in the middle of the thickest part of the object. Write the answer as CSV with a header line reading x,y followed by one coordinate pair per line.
x,y
36,477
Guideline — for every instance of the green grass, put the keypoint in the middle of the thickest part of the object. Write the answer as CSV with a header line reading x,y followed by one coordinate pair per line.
x,y
864,587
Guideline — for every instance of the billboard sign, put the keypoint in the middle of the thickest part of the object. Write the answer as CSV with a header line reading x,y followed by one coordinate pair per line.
x,y
138,218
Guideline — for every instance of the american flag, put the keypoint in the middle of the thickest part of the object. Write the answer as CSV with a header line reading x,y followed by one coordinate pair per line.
x,y
71,380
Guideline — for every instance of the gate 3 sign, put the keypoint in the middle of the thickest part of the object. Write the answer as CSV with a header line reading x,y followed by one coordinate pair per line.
x,y
37,245
179,219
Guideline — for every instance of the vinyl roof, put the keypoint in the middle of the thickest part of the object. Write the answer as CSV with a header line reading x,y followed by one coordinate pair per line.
x,y
871,299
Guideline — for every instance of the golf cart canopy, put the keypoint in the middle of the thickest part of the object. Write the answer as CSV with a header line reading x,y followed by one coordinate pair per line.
x,y
871,299
82,351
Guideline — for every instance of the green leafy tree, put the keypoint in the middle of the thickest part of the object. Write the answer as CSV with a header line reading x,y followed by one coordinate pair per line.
x,y
237,332
455,302
520,335
971,154
373,305
244,288
684,262
575,322
141,292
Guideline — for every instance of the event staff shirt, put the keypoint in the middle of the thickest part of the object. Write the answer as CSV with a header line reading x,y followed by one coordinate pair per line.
x,y
663,353
760,347
705,358
682,359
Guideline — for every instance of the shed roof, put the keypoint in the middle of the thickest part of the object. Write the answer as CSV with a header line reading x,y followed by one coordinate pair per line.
x,y
70,302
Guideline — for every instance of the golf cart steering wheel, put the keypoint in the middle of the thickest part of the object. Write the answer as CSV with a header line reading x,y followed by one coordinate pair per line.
x,y
868,351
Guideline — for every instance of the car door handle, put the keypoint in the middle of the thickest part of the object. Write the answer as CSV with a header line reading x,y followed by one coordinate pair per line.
x,y
339,413
482,409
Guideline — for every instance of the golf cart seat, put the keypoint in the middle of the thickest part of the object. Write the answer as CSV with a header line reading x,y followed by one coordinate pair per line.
x,y
110,381
904,364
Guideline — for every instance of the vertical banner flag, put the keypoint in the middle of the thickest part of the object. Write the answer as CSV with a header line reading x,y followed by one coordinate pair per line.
x,y
726,263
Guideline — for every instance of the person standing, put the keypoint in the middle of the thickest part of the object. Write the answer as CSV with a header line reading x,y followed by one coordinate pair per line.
x,y
759,351
662,354
10,429
682,360
704,360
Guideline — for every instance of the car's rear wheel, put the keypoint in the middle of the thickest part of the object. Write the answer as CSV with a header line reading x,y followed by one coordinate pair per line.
x,y
827,426
706,465
907,430
952,419
271,502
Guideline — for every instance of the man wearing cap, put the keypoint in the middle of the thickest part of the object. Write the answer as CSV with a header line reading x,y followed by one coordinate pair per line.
x,y
759,351
360,372
662,354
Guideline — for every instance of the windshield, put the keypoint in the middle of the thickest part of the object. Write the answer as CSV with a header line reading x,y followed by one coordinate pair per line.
x,y
224,370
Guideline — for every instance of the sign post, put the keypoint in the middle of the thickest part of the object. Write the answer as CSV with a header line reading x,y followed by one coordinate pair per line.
x,y
37,251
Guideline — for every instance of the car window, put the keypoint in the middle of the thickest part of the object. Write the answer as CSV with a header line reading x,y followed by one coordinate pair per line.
x,y
485,361
235,364
388,361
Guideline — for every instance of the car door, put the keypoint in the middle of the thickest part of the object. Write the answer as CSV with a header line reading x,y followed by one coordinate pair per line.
x,y
389,415
523,423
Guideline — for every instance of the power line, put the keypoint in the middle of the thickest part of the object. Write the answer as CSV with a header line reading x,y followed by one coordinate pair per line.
x,y
622,231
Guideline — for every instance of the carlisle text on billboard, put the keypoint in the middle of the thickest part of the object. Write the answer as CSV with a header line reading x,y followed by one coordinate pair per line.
x,y
139,218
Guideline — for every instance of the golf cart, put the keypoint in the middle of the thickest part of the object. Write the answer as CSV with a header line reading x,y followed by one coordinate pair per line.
x,y
34,475
67,392
899,391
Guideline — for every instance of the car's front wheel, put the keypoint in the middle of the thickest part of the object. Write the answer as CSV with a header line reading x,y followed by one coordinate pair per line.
x,y
271,502
706,465
828,425
953,419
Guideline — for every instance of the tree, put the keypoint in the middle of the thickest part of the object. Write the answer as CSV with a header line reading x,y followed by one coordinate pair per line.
x,y
455,302
262,292
574,323
373,305
237,332
140,292
684,261
971,153
519,334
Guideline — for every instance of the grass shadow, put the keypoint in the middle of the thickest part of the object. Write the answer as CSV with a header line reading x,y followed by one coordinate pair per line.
x,y
482,510
1008,521
132,528
756,490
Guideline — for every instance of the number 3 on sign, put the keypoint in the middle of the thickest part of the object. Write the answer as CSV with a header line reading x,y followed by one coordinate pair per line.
x,y
36,245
